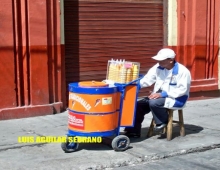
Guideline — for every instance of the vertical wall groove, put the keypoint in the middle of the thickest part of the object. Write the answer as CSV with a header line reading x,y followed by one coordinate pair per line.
x,y
16,70
27,63
208,34
55,37
213,28
50,51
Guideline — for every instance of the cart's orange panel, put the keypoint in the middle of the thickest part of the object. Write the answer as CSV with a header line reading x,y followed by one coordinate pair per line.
x,y
129,104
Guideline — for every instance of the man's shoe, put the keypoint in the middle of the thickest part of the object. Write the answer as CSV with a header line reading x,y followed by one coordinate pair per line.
x,y
132,135
159,127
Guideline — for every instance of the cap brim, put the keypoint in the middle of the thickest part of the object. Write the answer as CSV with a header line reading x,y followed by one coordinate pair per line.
x,y
156,57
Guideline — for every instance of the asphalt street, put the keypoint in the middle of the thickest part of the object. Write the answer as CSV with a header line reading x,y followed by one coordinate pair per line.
x,y
206,160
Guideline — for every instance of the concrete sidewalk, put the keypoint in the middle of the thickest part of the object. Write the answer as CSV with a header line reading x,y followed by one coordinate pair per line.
x,y
202,119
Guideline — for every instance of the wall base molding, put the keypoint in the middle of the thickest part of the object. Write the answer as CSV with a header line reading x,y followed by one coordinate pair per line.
x,y
31,111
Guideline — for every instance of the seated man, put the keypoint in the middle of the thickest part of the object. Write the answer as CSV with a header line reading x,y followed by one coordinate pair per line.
x,y
171,90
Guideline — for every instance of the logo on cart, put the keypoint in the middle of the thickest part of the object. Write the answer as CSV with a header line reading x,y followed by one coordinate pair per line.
x,y
79,99
106,100
97,102
76,120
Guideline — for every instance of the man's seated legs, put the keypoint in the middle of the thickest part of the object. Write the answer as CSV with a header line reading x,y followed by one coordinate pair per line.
x,y
160,115
141,110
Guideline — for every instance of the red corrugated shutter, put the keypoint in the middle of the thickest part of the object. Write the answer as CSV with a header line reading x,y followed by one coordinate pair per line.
x,y
96,31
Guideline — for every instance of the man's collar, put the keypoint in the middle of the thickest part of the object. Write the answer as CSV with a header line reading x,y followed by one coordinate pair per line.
x,y
175,68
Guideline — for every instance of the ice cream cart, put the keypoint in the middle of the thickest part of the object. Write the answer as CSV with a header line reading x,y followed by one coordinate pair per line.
x,y
99,109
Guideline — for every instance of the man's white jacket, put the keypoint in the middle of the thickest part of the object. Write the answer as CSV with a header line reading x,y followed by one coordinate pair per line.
x,y
175,86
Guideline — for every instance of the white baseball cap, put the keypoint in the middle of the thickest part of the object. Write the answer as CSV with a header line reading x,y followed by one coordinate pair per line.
x,y
163,54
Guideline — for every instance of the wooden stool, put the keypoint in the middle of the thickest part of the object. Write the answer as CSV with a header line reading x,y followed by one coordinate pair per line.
x,y
169,128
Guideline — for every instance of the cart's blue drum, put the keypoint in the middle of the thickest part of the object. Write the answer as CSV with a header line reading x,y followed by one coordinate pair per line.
x,y
92,109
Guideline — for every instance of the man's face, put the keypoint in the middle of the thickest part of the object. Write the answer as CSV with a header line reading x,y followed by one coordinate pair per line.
x,y
166,63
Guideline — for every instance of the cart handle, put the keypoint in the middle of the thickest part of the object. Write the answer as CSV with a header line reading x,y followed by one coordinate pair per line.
x,y
140,77
138,84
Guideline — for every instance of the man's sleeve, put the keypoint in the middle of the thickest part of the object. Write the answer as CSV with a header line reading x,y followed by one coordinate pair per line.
x,y
149,78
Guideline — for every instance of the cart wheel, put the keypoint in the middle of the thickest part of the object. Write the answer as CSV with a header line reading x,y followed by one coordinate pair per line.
x,y
69,146
120,143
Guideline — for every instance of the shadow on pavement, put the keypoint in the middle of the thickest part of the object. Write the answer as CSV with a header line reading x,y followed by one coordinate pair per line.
x,y
189,129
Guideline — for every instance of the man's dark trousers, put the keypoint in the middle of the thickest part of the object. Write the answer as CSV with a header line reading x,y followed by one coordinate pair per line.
x,y
144,106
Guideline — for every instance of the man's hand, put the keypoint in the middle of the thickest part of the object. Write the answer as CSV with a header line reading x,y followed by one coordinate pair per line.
x,y
155,96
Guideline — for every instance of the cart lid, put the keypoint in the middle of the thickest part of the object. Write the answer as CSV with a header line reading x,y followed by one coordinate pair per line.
x,y
92,84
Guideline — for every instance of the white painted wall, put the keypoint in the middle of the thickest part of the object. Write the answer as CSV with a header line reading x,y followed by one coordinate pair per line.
x,y
172,23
